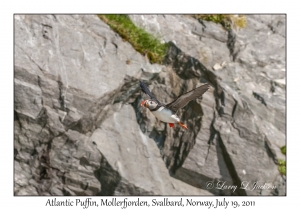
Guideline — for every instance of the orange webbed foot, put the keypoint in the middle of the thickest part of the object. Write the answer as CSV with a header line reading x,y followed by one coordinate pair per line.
x,y
183,125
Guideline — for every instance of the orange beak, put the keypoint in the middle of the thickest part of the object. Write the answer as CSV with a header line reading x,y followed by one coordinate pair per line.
x,y
143,103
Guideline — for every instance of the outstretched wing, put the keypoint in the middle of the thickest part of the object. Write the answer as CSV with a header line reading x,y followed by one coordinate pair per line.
x,y
185,98
147,91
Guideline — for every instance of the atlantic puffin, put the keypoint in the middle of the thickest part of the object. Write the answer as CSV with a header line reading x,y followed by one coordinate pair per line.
x,y
167,113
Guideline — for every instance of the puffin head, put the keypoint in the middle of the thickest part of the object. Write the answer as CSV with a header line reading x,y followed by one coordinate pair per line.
x,y
150,104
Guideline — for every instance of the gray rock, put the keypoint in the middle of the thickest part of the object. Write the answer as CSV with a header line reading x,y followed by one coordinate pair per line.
x,y
255,63
69,70
135,159
80,130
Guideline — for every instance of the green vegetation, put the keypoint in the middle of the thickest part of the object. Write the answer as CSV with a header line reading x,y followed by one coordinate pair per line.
x,y
282,166
283,150
143,42
227,21
282,163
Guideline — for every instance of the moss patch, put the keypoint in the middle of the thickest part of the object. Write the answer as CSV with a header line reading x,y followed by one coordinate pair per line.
x,y
282,166
282,163
227,21
143,42
283,150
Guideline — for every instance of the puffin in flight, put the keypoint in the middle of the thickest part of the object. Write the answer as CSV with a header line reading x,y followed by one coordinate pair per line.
x,y
167,113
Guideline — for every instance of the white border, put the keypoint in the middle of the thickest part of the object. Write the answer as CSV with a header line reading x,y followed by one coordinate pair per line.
x,y
8,201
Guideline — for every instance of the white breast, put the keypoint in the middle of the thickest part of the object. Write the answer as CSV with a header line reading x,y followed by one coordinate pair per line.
x,y
166,115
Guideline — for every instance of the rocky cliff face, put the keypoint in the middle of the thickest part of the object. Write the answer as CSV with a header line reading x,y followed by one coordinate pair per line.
x,y
79,129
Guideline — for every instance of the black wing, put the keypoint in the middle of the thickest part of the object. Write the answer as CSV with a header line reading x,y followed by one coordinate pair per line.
x,y
147,91
185,98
